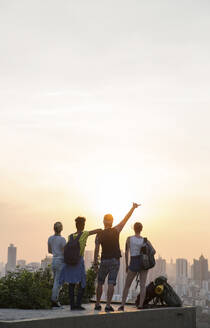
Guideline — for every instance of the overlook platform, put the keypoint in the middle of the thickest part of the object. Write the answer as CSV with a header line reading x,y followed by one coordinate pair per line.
x,y
64,318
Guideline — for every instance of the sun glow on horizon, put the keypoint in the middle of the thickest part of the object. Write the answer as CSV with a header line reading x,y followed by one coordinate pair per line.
x,y
111,191
93,119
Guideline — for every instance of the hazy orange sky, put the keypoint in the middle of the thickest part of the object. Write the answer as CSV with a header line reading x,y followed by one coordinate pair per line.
x,y
102,104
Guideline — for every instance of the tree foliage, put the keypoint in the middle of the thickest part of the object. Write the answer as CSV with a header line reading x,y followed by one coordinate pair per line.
x,y
32,290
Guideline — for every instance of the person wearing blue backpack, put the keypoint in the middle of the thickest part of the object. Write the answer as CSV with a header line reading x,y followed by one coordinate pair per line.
x,y
74,269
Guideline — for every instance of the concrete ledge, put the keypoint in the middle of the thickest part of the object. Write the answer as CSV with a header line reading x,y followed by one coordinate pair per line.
x,y
153,318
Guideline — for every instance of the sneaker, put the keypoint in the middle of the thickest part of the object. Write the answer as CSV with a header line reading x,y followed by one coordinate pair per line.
x,y
140,308
98,307
121,308
109,308
80,308
55,304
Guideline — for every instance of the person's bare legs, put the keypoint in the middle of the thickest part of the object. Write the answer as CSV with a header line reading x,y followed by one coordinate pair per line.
x,y
129,279
110,293
143,279
99,292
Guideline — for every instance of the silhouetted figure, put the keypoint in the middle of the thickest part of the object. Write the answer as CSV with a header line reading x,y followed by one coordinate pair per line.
x,y
75,274
56,245
110,257
134,244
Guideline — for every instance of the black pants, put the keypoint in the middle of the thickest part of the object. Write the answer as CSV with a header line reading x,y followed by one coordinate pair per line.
x,y
79,295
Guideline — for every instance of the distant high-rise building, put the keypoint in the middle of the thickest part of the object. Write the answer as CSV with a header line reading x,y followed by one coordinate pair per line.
x,y
204,268
2,269
11,258
171,271
158,270
189,271
1,266
196,275
200,269
181,276
181,270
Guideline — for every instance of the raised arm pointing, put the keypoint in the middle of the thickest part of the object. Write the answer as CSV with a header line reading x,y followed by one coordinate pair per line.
x,y
121,225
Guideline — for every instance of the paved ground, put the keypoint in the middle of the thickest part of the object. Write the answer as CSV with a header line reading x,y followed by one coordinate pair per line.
x,y
16,314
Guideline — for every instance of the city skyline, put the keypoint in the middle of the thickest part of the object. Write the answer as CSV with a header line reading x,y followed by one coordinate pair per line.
x,y
13,254
192,287
191,282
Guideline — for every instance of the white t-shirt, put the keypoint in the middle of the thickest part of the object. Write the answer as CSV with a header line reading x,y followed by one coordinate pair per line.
x,y
57,244
136,244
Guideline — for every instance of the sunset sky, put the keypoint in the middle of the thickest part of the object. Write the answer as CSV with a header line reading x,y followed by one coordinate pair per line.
x,y
103,103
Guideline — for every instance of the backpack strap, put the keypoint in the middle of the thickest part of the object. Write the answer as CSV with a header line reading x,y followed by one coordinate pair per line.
x,y
145,240
71,237
78,236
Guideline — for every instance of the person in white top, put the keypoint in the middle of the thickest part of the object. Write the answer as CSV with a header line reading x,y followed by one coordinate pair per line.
x,y
56,245
133,246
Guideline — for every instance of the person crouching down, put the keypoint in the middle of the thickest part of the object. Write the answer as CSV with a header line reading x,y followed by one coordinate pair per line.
x,y
74,271
56,245
133,246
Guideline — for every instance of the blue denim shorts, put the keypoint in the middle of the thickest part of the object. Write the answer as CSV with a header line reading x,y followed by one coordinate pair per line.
x,y
135,264
110,268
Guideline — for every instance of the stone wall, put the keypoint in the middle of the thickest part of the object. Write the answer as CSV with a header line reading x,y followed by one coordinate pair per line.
x,y
155,318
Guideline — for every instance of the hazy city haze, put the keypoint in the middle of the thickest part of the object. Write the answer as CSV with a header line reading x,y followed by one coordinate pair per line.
x,y
103,103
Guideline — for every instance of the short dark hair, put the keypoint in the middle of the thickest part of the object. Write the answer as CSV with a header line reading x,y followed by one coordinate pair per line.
x,y
138,227
58,227
80,222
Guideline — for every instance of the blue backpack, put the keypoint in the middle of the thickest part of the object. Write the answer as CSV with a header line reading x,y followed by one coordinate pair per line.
x,y
72,250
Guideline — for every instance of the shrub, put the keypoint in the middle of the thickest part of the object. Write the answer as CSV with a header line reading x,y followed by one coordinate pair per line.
x,y
32,290
26,290
90,284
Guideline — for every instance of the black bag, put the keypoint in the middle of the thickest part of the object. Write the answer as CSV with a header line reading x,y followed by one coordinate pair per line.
x,y
147,258
150,294
160,292
168,296
72,250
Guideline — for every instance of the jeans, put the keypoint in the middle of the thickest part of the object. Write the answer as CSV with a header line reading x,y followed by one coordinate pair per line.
x,y
57,266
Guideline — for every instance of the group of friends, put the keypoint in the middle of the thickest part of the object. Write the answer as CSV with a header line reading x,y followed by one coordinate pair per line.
x,y
108,240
